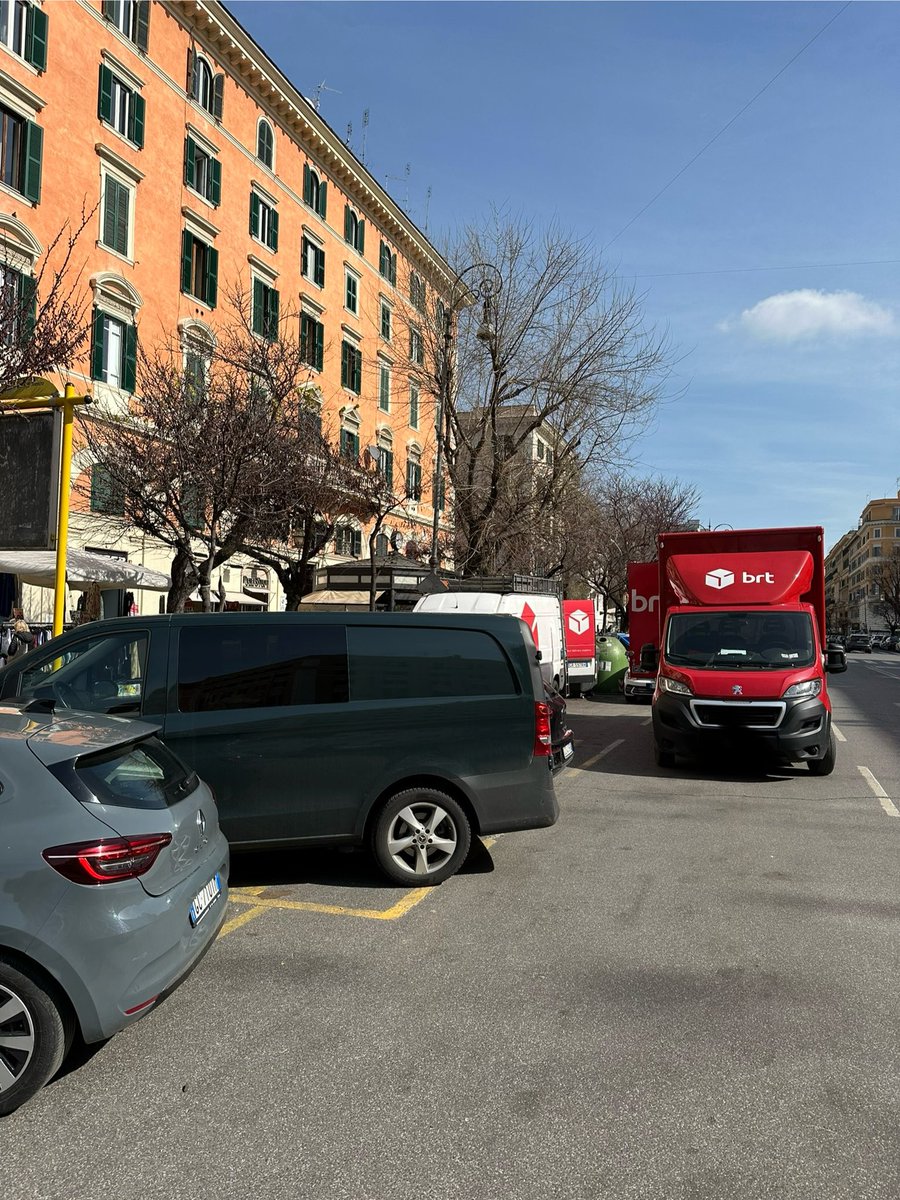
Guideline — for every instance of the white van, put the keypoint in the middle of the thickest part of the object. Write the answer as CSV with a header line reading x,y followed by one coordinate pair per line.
x,y
542,615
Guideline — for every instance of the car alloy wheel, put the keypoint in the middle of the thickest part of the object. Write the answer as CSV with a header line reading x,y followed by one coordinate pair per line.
x,y
422,836
34,1037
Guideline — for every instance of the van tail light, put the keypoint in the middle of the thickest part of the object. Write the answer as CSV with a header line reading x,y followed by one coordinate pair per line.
x,y
107,860
542,747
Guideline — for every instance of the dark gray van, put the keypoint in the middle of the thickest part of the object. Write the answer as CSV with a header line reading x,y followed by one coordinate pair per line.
x,y
408,732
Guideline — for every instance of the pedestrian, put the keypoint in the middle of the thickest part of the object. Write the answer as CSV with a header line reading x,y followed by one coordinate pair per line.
x,y
21,639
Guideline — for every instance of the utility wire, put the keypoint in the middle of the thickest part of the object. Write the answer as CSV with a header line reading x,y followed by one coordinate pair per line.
x,y
728,125
871,262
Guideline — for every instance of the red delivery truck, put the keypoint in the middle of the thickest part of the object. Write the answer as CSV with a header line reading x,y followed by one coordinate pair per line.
x,y
643,626
742,658
580,622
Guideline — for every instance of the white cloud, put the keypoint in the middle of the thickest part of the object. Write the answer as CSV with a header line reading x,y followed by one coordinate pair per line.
x,y
807,313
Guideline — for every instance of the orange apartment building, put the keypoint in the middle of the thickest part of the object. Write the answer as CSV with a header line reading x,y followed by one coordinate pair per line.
x,y
852,591
208,168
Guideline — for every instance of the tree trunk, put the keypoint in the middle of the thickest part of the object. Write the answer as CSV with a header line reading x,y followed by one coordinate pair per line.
x,y
184,580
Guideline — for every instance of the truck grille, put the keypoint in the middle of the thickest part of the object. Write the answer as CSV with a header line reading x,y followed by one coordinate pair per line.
x,y
734,715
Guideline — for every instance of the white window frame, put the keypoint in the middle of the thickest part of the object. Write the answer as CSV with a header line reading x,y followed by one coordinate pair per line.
x,y
351,276
14,41
384,373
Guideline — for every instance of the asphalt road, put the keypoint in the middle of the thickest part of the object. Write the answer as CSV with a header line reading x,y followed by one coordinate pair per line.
x,y
686,990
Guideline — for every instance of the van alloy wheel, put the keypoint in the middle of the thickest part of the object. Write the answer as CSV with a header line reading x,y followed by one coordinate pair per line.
x,y
422,836
34,1037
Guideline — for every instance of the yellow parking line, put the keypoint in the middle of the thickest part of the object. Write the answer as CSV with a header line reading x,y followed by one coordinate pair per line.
x,y
237,922
589,762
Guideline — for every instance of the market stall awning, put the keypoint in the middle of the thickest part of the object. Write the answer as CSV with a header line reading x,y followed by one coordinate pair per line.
x,y
38,568
230,598
337,596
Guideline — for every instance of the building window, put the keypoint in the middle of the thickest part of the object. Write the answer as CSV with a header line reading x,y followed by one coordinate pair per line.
x,y
386,457
351,367
113,351
196,372
384,387
382,544
354,230
312,262
202,172
387,264
199,269
386,317
315,191
203,86
413,477
416,348
265,311
417,291
107,496
413,404
115,228
348,541
23,30
18,305
263,221
350,444
121,107
21,151
131,17
876,533
265,143
351,292
312,341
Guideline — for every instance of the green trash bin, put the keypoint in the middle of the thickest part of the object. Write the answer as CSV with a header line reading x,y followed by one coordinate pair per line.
x,y
612,663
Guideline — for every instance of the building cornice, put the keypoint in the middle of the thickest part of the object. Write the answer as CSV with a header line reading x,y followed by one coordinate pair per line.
x,y
213,25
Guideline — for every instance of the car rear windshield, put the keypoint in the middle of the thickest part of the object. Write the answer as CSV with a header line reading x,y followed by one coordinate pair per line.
x,y
144,774
756,640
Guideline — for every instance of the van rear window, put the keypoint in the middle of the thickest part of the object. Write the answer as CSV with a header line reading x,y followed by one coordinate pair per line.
x,y
256,666
414,663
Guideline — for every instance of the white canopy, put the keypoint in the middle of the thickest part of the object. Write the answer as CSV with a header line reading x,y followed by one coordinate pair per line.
x,y
230,598
38,567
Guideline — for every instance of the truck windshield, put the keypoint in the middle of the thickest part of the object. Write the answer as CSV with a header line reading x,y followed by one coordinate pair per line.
x,y
759,640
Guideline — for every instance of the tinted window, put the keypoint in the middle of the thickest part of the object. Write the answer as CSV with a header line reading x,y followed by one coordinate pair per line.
x,y
144,775
247,666
400,664
100,674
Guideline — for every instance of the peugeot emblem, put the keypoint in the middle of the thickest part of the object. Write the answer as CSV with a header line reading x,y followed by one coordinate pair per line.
x,y
737,690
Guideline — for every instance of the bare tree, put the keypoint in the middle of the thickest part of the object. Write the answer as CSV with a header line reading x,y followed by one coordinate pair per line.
x,y
620,521
557,347
44,318
886,578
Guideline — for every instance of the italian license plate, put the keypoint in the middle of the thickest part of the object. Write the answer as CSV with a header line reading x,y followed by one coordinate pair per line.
x,y
205,899
568,750
584,665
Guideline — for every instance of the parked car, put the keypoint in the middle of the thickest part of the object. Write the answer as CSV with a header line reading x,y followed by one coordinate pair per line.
x,y
893,642
562,740
836,641
114,883
407,732
859,641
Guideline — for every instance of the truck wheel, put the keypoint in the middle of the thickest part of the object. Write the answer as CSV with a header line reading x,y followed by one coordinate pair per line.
x,y
664,758
824,766
421,837
35,1033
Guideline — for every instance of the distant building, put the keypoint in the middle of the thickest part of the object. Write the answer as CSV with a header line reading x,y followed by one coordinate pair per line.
x,y
851,591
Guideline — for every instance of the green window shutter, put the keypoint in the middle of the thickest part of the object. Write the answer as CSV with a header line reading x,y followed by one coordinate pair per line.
x,y
215,182
26,295
187,258
254,215
345,371
272,316
115,216
136,120
319,354
98,348
104,98
307,185
357,542
142,25
257,316
347,232
129,365
109,9
191,86
212,277
320,267
387,466
305,324
323,199
36,37
394,269
361,237
357,371
273,230
218,95
190,161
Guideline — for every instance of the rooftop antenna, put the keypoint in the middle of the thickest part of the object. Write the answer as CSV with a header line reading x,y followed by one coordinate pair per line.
x,y
349,132
427,205
317,97
365,127
404,176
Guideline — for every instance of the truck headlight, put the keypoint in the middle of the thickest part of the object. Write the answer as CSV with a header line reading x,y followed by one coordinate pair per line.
x,y
673,685
808,688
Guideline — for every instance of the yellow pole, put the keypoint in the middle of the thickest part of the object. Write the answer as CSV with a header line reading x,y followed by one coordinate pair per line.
x,y
62,524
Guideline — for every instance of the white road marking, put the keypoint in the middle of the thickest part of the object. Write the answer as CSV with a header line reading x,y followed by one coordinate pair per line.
x,y
886,802
649,721
837,733
603,753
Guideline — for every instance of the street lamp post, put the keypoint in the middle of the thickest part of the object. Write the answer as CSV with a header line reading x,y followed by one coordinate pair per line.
x,y
488,286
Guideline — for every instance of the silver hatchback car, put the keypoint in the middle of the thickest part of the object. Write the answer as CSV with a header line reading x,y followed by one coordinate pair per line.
x,y
113,883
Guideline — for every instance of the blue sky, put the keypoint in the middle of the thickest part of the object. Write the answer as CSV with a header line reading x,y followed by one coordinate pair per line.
x,y
784,405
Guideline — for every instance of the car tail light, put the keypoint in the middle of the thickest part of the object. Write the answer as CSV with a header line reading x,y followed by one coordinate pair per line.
x,y
542,747
107,860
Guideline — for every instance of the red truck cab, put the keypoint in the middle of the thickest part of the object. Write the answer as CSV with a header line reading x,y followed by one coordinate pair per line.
x,y
742,657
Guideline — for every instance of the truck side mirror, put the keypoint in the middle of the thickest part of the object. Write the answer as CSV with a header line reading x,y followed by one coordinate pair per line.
x,y
835,660
649,658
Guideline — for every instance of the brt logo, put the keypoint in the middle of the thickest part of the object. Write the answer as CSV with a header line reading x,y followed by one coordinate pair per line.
x,y
720,578
643,603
